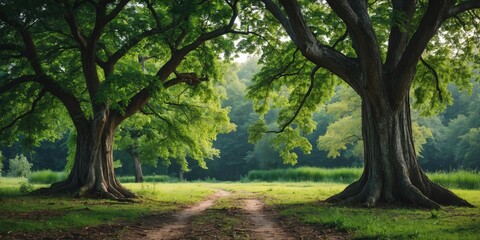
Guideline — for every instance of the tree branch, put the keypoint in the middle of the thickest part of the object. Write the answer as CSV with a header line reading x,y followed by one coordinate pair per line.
x,y
321,55
32,109
141,98
302,103
463,7
399,32
16,82
437,79
405,70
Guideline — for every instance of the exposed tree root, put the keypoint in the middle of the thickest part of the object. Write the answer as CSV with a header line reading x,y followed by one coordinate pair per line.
x,y
73,189
408,194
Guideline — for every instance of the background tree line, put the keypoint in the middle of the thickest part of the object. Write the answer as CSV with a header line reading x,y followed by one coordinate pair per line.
x,y
445,141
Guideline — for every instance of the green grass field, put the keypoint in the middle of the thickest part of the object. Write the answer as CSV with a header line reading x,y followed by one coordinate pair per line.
x,y
297,200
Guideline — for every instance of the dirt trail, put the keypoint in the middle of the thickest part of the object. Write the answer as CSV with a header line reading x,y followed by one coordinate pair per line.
x,y
263,227
180,220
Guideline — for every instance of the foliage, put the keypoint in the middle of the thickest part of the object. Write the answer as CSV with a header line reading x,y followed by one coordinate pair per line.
x,y
345,133
285,84
185,128
46,177
25,187
19,166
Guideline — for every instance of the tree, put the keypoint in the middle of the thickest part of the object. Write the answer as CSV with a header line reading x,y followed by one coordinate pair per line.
x,y
382,50
182,130
19,166
94,64
345,133
1,163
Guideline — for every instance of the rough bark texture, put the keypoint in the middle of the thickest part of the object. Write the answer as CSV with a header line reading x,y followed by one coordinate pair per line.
x,y
138,167
93,173
391,173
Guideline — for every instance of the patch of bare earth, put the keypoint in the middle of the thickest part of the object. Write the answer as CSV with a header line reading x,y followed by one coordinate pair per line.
x,y
242,219
261,225
174,228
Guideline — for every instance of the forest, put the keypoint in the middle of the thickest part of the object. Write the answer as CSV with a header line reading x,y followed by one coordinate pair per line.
x,y
445,141
237,119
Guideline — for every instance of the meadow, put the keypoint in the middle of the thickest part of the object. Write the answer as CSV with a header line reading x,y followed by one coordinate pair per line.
x,y
298,201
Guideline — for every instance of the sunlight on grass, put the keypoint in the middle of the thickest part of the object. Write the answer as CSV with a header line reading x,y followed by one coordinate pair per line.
x,y
299,200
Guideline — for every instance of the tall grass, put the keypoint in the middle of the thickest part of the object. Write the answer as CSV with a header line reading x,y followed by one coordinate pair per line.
x,y
46,177
461,179
152,178
340,175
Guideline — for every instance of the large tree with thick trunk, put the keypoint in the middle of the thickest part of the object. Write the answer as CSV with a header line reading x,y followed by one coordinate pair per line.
x,y
99,63
381,49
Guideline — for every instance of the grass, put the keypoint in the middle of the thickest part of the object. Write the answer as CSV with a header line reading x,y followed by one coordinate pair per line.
x,y
461,179
46,177
341,175
458,179
298,200
23,213
302,201
151,178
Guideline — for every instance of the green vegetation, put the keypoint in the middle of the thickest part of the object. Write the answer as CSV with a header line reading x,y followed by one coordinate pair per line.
x,y
19,166
302,201
340,175
153,178
461,179
21,213
46,177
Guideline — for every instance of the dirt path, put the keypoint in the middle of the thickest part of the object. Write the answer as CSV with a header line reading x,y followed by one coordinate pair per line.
x,y
240,218
180,220
262,227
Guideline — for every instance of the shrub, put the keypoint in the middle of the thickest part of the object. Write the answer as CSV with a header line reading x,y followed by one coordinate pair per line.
x,y
46,177
19,167
25,187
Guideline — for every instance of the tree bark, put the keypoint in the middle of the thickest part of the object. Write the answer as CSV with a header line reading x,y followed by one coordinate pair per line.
x,y
93,173
138,166
391,171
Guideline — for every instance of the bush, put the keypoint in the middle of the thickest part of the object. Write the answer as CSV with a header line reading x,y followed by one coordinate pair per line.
x,y
19,167
46,177
26,187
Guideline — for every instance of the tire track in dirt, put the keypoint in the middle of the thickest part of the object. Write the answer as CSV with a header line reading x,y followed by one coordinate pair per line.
x,y
261,226
181,219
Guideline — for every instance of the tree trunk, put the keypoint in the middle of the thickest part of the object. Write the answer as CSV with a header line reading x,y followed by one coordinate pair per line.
x,y
93,173
138,166
391,171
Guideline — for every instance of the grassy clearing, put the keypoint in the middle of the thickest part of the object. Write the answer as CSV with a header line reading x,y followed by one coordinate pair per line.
x,y
22,213
298,200
301,201
461,179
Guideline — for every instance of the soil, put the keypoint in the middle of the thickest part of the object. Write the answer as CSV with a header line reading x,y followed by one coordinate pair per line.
x,y
250,218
